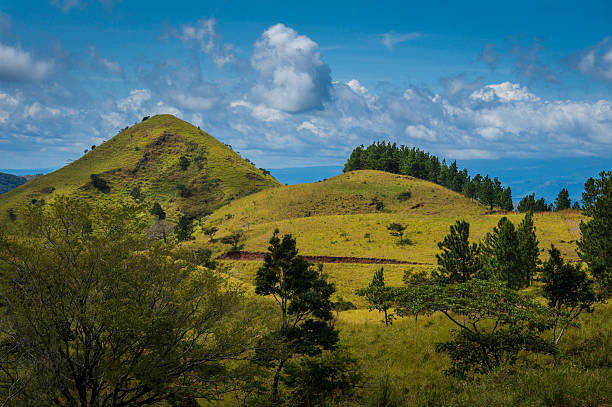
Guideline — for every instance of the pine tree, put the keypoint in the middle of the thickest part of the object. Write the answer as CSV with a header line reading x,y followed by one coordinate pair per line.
x,y
503,260
459,260
563,201
487,192
303,297
528,247
595,244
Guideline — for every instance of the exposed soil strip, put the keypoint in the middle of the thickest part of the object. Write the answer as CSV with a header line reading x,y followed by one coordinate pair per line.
x,y
259,256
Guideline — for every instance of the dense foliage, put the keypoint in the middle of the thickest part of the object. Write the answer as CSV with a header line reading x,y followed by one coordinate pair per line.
x,y
95,314
595,244
419,164
530,204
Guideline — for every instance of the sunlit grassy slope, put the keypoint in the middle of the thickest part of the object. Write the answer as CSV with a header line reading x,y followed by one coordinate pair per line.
x,y
334,217
147,155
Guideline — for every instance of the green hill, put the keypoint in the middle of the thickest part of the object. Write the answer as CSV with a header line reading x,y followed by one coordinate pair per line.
x,y
344,217
163,159
10,181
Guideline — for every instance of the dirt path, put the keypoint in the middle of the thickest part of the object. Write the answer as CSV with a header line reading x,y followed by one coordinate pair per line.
x,y
259,256
574,227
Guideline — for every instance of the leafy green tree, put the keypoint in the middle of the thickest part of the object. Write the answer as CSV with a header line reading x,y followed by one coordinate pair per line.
x,y
377,296
184,229
158,211
302,294
327,378
501,255
459,260
595,244
563,200
497,323
568,290
528,247
95,314
397,229
576,206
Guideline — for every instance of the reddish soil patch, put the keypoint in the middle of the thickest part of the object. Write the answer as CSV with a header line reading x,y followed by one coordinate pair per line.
x,y
259,256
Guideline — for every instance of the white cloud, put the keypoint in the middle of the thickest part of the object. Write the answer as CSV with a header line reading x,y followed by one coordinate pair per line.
x,y
293,77
135,100
18,65
596,62
204,36
391,39
420,132
504,92
260,112
357,87
191,102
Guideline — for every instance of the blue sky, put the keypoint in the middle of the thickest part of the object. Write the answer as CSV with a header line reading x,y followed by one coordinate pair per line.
x,y
291,85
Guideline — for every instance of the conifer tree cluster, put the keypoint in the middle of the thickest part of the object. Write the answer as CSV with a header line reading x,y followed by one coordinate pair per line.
x,y
420,164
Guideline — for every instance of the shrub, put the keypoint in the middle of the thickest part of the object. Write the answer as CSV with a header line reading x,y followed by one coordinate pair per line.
x,y
404,196
99,183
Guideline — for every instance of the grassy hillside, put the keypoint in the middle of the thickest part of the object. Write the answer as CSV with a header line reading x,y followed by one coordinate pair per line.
x,y
400,362
333,217
147,156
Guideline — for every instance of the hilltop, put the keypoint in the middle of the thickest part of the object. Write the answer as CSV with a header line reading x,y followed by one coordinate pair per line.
x,y
162,159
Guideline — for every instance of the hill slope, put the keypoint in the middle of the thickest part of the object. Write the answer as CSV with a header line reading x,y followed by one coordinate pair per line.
x,y
162,159
10,181
338,217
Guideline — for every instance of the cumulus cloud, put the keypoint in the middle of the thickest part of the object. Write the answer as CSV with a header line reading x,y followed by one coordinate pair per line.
x,y
292,75
203,37
391,39
18,65
596,61
504,92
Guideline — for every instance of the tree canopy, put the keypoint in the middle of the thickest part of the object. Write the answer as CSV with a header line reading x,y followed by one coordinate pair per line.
x,y
420,164
95,314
